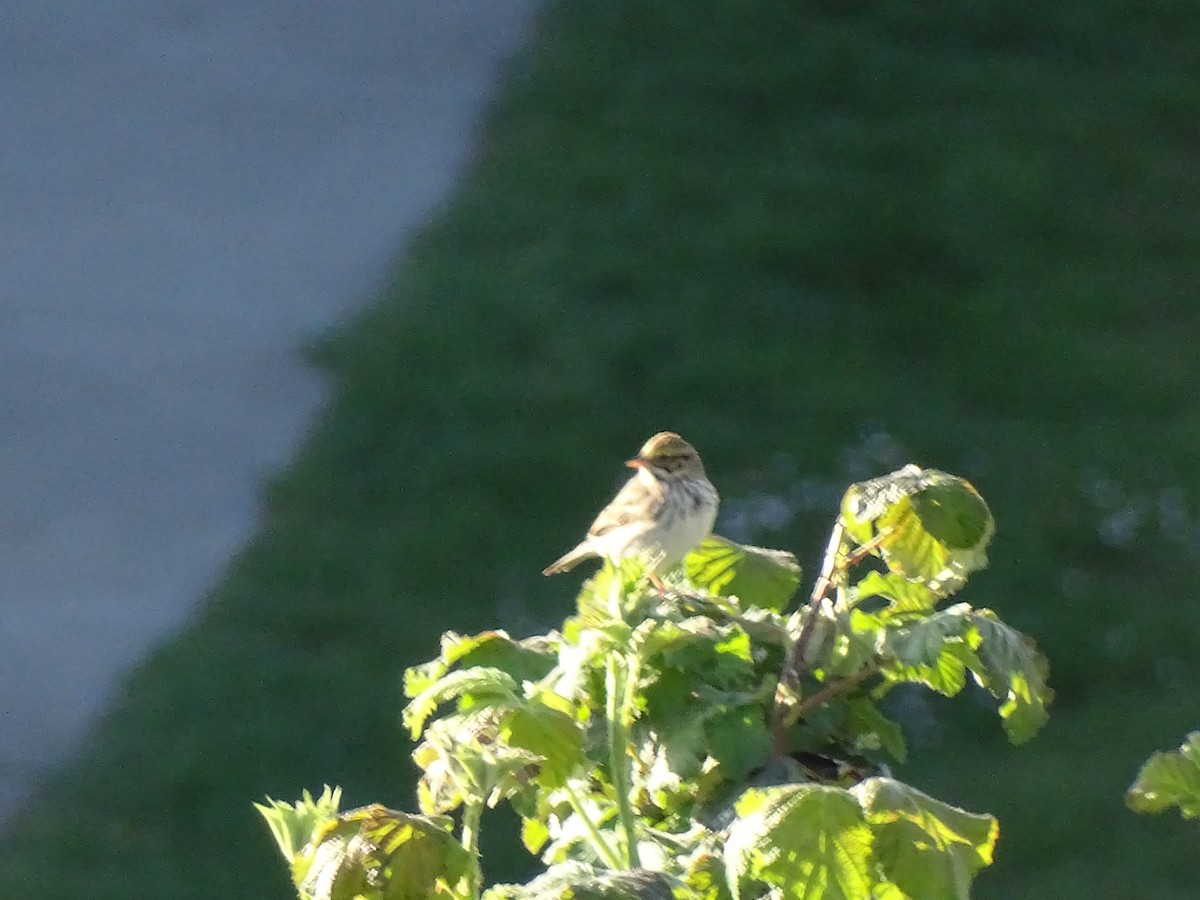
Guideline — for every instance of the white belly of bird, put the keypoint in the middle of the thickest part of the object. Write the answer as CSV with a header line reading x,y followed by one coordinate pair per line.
x,y
667,543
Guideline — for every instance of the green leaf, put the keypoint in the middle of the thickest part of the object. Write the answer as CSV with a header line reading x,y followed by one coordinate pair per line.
x,y
527,660
939,649
926,849
704,873
534,834
293,825
385,854
719,656
579,881
581,659
463,759
668,765
930,526
756,576
856,640
479,683
418,678
551,735
656,636
873,730
457,763
809,840
1014,671
933,651
736,645
706,651
1169,779
613,593
739,740
667,697
901,594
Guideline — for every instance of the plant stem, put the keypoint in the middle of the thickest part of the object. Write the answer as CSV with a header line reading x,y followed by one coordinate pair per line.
x,y
615,591
618,709
472,813
603,848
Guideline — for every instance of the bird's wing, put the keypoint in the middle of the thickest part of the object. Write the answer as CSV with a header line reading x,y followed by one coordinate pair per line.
x,y
635,501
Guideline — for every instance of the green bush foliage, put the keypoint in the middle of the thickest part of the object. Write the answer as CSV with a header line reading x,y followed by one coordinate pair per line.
x,y
702,741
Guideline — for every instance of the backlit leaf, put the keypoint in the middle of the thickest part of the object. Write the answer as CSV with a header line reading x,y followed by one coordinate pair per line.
x,y
808,840
933,651
475,684
525,660
929,526
1170,779
756,576
549,734
940,649
873,730
378,852
900,594
705,877
293,824
579,881
462,758
926,849
1014,671
534,835
614,591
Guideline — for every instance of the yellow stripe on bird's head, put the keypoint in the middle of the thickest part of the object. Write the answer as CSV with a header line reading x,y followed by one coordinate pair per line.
x,y
667,452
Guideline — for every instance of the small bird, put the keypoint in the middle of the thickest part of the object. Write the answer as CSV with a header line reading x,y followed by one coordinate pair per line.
x,y
664,511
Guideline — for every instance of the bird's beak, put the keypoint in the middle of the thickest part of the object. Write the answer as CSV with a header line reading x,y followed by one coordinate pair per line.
x,y
637,463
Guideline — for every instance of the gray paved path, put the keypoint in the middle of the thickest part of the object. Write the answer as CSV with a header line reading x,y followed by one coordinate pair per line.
x,y
188,191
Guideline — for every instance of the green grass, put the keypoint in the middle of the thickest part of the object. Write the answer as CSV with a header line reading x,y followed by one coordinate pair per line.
x,y
774,227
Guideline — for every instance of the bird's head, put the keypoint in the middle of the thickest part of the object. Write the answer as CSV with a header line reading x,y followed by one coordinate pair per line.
x,y
668,455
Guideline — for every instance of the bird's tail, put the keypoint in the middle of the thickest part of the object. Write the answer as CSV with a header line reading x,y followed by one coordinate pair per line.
x,y
569,560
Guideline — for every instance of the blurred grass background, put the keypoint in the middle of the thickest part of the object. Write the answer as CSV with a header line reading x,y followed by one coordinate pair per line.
x,y
820,239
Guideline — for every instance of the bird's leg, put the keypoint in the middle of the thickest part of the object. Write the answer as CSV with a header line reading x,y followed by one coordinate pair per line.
x,y
658,583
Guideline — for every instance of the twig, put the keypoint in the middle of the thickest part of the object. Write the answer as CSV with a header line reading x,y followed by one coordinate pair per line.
x,y
833,569
790,675
831,690
866,549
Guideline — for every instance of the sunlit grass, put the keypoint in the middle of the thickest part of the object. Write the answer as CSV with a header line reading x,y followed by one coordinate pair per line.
x,y
782,229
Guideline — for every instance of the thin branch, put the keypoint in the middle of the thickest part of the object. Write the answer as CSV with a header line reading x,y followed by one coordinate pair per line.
x,y
833,570
831,690
865,550
790,675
